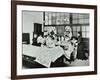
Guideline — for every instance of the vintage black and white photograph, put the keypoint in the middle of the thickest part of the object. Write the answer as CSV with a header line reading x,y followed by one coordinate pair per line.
x,y
51,40
55,39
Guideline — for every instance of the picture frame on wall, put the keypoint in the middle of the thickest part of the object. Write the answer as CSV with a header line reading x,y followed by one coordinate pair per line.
x,y
53,39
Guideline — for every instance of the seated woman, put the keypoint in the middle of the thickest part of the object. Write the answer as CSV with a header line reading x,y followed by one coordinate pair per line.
x,y
74,42
68,47
40,40
35,39
50,39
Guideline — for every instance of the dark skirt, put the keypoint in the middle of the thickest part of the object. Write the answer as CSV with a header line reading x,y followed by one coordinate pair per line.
x,y
80,52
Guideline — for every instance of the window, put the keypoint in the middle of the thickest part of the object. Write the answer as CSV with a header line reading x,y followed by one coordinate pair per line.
x,y
56,18
79,22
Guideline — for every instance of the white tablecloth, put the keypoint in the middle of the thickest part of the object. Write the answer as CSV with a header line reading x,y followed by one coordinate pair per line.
x,y
47,55
44,55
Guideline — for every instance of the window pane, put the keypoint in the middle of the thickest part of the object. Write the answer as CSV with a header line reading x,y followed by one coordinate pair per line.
x,y
75,21
87,28
75,15
81,21
83,28
46,22
74,33
57,14
81,16
83,34
78,28
49,22
50,14
74,28
86,20
46,17
53,22
66,18
58,21
87,34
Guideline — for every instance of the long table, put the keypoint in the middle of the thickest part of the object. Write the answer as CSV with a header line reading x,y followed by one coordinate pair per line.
x,y
43,55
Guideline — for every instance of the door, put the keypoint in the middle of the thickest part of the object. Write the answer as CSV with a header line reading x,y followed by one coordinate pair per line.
x,y
37,28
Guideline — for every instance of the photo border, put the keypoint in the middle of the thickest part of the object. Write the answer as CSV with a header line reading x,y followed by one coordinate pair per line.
x,y
14,39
